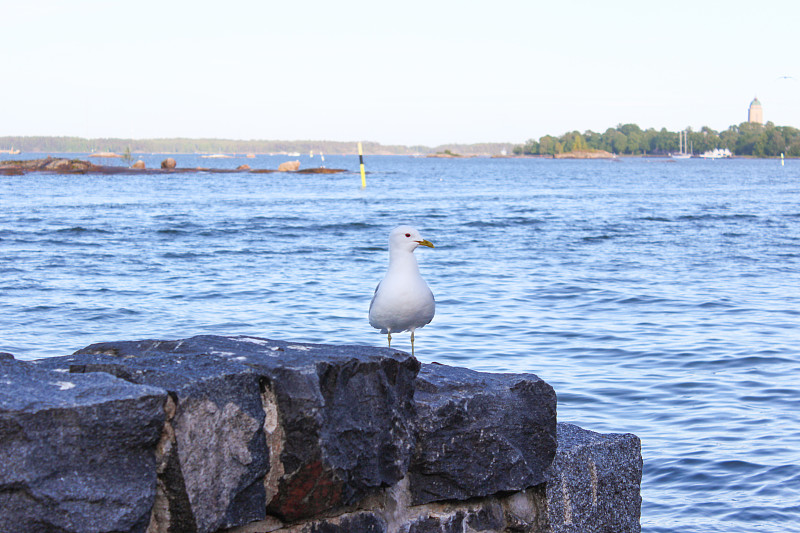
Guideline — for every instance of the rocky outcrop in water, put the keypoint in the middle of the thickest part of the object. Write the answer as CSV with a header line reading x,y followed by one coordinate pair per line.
x,y
289,166
48,164
585,154
79,166
247,434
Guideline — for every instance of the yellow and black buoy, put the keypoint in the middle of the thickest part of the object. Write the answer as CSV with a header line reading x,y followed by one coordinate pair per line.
x,y
361,163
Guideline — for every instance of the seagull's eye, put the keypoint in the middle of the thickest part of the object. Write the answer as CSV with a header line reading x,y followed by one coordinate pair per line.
x,y
408,235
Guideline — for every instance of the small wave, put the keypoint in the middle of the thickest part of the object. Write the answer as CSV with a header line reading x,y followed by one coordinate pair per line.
x,y
81,230
753,361
598,238
39,308
59,242
248,251
344,226
715,305
116,313
710,216
295,231
504,223
655,219
182,255
170,231
639,300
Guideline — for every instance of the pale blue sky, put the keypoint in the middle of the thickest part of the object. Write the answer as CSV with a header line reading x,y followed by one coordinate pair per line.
x,y
408,72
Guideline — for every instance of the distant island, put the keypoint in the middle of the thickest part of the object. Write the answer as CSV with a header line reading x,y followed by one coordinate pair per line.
x,y
746,139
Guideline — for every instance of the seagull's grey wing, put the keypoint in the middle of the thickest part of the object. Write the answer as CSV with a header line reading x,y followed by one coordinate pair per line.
x,y
374,294
434,304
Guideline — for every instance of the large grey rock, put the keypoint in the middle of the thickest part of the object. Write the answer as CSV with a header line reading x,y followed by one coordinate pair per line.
x,y
211,433
77,453
346,414
480,433
593,485
213,455
258,426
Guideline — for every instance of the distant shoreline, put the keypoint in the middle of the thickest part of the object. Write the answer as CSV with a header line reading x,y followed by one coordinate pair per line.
x,y
79,145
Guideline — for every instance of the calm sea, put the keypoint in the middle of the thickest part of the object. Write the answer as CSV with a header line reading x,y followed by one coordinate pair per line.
x,y
659,298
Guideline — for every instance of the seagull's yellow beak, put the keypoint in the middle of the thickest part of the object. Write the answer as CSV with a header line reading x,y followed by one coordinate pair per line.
x,y
425,242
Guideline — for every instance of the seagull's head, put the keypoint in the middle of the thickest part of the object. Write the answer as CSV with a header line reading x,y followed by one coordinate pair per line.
x,y
406,238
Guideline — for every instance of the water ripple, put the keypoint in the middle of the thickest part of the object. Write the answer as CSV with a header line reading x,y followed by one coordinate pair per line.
x,y
657,299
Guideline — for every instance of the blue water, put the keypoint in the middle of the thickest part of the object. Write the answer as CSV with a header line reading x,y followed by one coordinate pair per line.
x,y
658,298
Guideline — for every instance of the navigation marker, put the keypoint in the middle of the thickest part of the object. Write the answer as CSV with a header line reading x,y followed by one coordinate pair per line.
x,y
361,163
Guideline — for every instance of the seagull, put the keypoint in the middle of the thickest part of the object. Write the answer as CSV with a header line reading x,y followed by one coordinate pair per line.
x,y
402,300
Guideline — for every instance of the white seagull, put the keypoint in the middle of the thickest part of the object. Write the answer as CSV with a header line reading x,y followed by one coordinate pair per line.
x,y
402,300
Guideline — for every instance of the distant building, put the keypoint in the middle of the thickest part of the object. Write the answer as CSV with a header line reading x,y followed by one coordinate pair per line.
x,y
755,113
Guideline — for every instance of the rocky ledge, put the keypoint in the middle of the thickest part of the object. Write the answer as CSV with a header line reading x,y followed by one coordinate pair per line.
x,y
585,154
60,165
244,435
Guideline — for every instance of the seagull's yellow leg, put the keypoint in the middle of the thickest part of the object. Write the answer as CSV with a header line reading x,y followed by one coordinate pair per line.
x,y
412,343
390,339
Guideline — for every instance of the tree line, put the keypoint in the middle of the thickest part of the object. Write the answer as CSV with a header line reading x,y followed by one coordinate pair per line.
x,y
228,146
179,145
746,139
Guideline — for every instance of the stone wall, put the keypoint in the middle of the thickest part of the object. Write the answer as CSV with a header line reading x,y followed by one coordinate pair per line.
x,y
245,435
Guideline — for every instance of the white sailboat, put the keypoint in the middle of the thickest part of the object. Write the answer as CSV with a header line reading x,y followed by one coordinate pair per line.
x,y
682,154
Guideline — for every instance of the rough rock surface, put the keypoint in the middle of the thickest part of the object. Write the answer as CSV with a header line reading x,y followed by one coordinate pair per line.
x,y
289,166
77,453
213,454
480,433
593,484
585,154
139,165
296,429
168,164
245,435
592,487
49,164
321,170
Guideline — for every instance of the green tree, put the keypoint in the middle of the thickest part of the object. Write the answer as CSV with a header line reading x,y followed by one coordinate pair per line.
x,y
547,145
775,144
617,142
574,142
